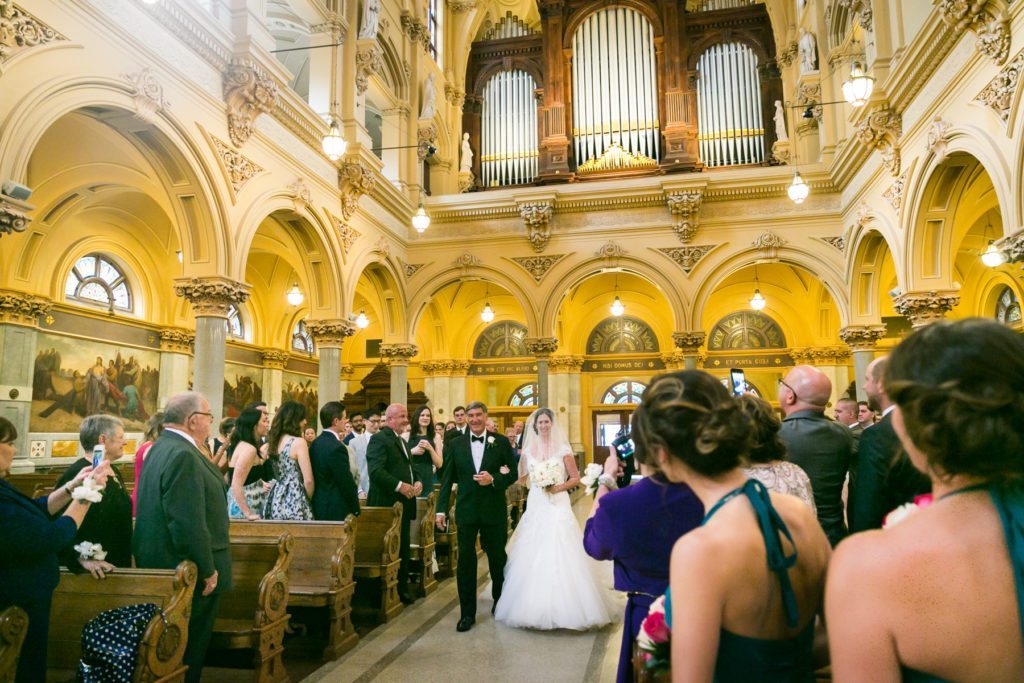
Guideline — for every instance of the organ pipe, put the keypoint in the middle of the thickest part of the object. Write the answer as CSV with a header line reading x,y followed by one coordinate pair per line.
x,y
729,113
508,136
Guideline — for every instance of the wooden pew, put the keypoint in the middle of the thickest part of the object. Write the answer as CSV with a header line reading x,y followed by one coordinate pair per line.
x,y
421,543
254,613
378,537
13,625
447,545
79,598
323,558
28,482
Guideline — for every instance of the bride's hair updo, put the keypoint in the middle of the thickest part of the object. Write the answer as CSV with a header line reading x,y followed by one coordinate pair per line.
x,y
693,417
543,411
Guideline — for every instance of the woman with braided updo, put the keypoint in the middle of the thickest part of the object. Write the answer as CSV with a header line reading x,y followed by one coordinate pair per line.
x,y
940,595
744,587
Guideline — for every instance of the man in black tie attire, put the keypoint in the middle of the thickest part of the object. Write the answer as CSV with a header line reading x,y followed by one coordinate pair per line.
x,y
392,481
459,415
483,466
335,495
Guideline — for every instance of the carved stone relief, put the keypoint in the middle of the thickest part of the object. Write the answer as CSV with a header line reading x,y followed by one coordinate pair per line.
x,y
537,220
248,92
998,94
538,266
687,257
238,168
881,132
685,208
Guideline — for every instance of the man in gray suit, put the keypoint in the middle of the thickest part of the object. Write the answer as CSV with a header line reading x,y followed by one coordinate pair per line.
x,y
182,515
817,444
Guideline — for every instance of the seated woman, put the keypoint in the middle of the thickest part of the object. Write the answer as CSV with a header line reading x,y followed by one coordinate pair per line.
x,y
938,596
31,537
247,472
766,460
109,522
745,587
289,456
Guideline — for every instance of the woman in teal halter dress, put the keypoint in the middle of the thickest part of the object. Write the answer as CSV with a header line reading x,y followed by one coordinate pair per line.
x,y
746,586
939,596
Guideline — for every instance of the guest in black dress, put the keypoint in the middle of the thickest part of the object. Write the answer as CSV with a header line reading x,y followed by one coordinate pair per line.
x,y
109,522
31,536
248,470
425,456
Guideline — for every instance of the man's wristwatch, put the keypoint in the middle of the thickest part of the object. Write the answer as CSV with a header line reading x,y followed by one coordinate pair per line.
x,y
607,481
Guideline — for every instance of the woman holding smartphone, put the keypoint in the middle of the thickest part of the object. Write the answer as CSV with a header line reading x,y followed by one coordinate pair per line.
x,y
425,457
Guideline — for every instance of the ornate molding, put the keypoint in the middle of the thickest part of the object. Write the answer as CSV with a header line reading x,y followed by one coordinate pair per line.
x,y
275,359
248,92
983,18
537,266
382,248
537,220
330,334
346,233
345,371
685,209
211,296
923,308
565,363
999,92
399,353
687,257
611,251
426,138
300,194
769,243
820,355
616,158
415,29
19,308
455,95
369,61
238,169
19,31
881,131
436,368
354,180
177,340
861,337
689,342
460,6
938,138
862,8
148,94
466,261
894,195
809,95
837,242
1013,246
541,346
410,269
13,215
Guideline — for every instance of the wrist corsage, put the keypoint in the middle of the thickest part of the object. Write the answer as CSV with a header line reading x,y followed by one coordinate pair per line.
x,y
590,477
90,551
88,490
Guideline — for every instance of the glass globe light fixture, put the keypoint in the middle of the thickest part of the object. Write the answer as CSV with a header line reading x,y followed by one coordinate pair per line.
x,y
333,144
362,322
420,220
295,296
487,315
857,88
617,308
798,189
757,302
993,256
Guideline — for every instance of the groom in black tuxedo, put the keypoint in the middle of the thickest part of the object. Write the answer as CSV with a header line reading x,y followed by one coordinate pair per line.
x,y
483,466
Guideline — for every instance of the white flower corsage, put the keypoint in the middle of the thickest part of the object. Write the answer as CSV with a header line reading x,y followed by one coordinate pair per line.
x,y
906,510
490,439
88,490
90,551
590,476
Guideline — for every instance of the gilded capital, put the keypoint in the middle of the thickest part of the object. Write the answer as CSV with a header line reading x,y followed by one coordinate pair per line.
x,y
689,342
924,308
19,308
177,340
460,368
565,363
1013,246
211,296
330,334
369,61
354,180
881,131
275,358
820,355
861,337
685,209
13,215
537,220
541,346
347,371
399,353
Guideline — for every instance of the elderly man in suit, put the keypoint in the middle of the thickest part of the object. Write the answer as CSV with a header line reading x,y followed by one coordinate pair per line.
x,y
335,495
392,481
183,515
819,445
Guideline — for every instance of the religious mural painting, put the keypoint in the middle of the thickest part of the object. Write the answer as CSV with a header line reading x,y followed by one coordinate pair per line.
x,y
301,388
243,384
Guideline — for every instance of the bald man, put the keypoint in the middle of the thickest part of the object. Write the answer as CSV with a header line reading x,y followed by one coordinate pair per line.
x,y
816,443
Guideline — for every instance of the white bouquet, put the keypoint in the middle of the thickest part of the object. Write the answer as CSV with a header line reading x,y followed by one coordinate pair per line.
x,y
546,473
590,476
88,490
90,551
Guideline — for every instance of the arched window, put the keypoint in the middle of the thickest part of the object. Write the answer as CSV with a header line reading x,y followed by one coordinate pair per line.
x,y
434,8
624,392
508,130
302,340
501,340
525,395
1008,307
746,330
95,280
729,116
236,326
622,334
614,85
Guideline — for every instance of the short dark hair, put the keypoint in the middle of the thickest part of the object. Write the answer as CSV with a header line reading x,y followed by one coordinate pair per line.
x,y
256,404
355,415
368,414
458,408
332,410
864,404
477,405
226,424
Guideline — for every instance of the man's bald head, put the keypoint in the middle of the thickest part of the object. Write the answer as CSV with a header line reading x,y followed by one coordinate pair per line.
x,y
396,417
874,384
804,388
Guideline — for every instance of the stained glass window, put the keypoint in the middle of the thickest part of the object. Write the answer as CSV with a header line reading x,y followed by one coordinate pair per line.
x,y
302,340
525,395
95,280
624,393
1008,307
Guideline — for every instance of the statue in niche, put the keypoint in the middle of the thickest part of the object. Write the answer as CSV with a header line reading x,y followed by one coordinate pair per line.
x,y
467,154
429,99
371,17
808,52
780,122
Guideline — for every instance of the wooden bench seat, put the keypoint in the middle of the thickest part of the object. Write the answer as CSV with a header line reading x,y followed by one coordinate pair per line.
x,y
323,558
422,545
378,537
254,613
13,626
80,597
28,482
446,544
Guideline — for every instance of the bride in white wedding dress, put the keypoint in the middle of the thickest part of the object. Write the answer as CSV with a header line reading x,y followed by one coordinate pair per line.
x,y
550,583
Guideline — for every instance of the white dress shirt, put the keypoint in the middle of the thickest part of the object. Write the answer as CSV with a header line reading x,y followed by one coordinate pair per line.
x,y
477,449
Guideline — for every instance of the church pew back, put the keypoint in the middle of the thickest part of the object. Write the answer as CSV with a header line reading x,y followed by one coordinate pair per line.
x,y
378,536
422,545
13,625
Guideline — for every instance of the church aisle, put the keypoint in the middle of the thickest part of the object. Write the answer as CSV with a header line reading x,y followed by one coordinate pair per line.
x,y
422,645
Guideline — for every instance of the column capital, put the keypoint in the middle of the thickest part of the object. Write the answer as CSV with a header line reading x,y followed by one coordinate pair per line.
x,y
211,296
924,308
20,308
434,368
13,215
861,337
275,359
330,334
398,353
673,359
177,340
1013,246
347,371
820,355
459,368
541,346
689,342
560,364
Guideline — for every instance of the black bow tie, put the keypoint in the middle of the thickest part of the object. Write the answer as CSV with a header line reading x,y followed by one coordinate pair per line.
x,y
477,438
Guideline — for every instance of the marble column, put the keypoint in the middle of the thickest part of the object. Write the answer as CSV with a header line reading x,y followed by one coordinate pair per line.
x,y
329,335
19,323
176,346
565,395
689,343
211,297
398,356
346,379
542,348
924,308
575,407
862,340
457,384
274,361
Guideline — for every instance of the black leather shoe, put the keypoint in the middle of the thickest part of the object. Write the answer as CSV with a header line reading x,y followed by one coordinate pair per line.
x,y
494,607
465,623
406,598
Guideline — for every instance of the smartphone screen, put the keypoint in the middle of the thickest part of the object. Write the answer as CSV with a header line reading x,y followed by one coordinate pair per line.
x,y
97,455
738,382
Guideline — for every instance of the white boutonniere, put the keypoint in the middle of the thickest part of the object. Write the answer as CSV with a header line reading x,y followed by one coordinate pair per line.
x,y
490,440
90,551
88,490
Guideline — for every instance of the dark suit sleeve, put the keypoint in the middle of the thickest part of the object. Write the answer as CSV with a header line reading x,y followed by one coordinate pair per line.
x,y
503,481
447,479
24,534
186,521
342,473
377,464
868,500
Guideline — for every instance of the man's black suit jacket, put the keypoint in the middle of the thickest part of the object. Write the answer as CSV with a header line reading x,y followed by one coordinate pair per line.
x,y
885,477
453,434
388,462
182,511
476,504
335,495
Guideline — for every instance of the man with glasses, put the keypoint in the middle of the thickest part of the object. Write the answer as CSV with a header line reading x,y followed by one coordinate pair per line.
x,y
183,515
816,443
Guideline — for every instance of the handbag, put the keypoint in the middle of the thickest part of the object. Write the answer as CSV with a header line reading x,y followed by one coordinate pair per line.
x,y
110,643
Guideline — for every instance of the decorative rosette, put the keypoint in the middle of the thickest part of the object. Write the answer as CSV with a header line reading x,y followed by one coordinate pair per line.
x,y
590,476
90,551
88,490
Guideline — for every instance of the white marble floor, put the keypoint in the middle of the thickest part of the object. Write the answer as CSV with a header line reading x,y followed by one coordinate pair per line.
x,y
422,645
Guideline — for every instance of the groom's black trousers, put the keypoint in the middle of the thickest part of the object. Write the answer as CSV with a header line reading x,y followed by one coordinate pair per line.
x,y
492,538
